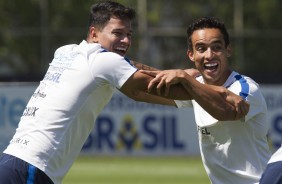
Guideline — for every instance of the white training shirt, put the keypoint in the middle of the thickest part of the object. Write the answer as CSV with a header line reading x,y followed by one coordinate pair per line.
x,y
62,111
234,152
276,157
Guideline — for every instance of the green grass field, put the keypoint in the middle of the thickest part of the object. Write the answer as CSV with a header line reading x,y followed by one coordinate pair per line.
x,y
137,170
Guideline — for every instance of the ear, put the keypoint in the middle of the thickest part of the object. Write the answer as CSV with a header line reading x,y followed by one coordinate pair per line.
x,y
229,51
93,35
190,54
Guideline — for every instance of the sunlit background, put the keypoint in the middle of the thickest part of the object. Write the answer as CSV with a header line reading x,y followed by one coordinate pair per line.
x,y
31,30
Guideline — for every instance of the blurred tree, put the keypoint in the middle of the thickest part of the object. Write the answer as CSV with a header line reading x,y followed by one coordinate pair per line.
x,y
262,38
31,30
19,37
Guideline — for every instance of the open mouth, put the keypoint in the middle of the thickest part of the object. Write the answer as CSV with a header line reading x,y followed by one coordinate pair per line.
x,y
120,50
211,66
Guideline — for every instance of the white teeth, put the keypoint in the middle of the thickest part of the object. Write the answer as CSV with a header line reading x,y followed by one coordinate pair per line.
x,y
120,48
210,64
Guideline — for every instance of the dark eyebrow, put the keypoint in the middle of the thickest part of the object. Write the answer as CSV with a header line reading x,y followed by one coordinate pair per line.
x,y
118,29
218,41
199,44
214,42
121,30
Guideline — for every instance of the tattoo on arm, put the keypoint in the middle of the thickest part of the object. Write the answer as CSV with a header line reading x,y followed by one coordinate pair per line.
x,y
142,66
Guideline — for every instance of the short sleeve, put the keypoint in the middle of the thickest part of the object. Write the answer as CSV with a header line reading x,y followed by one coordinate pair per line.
x,y
251,93
112,68
183,103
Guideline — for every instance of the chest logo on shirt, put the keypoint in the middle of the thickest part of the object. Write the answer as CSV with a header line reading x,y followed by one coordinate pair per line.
x,y
19,141
30,111
203,130
50,76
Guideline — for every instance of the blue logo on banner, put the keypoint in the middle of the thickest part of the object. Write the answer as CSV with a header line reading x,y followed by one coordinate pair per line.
x,y
128,137
11,110
159,132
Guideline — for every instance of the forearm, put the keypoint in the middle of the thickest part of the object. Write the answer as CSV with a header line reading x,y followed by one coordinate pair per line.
x,y
142,66
216,100
136,88
211,98
176,92
149,98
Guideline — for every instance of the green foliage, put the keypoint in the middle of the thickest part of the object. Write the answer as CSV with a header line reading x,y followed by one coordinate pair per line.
x,y
262,14
31,30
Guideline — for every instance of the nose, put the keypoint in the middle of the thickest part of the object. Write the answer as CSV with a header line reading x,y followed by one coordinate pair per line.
x,y
126,39
209,53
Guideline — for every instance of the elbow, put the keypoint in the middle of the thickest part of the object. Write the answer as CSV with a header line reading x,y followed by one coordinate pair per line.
x,y
223,118
226,114
229,116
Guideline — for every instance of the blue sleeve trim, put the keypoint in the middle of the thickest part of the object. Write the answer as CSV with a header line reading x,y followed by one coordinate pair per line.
x,y
31,174
104,50
128,60
244,86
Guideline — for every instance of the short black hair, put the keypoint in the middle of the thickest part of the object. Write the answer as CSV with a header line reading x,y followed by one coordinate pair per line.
x,y
207,22
101,13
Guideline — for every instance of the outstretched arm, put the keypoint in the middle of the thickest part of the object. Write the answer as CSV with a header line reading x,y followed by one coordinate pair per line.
x,y
142,66
218,101
136,88
191,71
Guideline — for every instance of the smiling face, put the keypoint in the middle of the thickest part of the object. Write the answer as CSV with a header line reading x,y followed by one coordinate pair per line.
x,y
114,37
210,55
